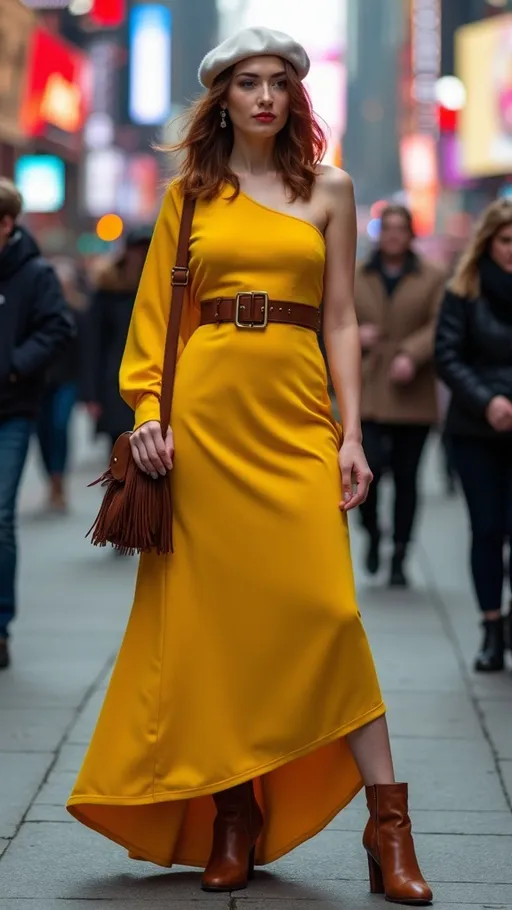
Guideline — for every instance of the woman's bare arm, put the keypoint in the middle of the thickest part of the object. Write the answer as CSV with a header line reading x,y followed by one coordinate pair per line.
x,y
341,333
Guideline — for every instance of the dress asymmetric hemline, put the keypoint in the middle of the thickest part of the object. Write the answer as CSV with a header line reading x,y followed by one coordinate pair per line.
x,y
245,656
75,801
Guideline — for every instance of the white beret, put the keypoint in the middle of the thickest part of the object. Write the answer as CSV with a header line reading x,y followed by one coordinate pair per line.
x,y
253,42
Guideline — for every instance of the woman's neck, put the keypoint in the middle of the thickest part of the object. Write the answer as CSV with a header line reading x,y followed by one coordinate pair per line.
x,y
252,158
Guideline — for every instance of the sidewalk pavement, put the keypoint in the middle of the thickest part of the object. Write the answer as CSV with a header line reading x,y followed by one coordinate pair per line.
x,y
452,731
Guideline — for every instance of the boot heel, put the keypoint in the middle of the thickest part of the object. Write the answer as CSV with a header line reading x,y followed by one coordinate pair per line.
x,y
375,873
250,868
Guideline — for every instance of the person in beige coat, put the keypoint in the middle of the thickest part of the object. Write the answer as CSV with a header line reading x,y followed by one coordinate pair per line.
x,y
397,298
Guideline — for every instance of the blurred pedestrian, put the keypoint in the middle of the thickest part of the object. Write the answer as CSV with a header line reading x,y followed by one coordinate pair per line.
x,y
108,320
35,326
397,298
449,472
244,710
64,380
474,358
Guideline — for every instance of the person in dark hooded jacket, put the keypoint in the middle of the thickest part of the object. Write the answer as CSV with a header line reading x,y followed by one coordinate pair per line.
x,y
109,318
35,327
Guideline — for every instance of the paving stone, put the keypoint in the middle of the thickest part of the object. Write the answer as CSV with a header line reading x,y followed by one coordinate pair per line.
x,y
70,757
338,855
46,673
506,771
347,894
493,686
435,821
497,719
71,862
4,843
20,778
83,728
159,904
455,752
357,901
413,671
33,729
45,813
56,789
426,715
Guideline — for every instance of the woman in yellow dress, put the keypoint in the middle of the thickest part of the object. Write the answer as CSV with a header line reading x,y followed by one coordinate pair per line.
x,y
244,710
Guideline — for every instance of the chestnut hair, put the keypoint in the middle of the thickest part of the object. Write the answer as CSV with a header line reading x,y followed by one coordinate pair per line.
x,y
300,145
466,280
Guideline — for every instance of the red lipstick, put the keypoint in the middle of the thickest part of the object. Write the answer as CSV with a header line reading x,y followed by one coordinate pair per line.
x,y
265,118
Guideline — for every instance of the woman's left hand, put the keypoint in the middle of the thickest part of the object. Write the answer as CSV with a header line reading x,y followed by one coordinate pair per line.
x,y
354,472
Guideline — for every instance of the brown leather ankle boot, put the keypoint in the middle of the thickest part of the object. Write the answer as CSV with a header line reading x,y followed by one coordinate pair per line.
x,y
235,831
392,863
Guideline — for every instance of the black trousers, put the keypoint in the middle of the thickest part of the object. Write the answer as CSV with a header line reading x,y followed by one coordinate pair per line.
x,y
398,447
484,467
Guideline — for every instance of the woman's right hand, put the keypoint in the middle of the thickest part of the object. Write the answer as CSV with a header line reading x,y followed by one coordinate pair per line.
x,y
499,413
151,452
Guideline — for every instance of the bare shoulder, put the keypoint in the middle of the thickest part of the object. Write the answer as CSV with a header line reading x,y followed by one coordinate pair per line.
x,y
333,180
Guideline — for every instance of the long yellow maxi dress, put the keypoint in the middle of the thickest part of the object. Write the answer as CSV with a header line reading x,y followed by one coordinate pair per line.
x,y
244,656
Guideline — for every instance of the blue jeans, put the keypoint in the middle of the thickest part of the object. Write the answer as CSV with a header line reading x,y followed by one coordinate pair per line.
x,y
15,435
52,427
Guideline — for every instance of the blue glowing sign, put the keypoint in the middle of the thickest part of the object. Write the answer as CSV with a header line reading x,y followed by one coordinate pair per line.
x,y
150,30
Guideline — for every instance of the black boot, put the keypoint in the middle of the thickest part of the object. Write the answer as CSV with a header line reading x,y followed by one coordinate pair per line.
x,y
372,561
490,658
398,578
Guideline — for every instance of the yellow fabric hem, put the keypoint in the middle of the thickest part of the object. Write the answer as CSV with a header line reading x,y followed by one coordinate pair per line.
x,y
191,793
340,733
134,852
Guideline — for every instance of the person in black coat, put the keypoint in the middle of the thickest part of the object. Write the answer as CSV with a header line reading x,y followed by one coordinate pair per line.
x,y
35,327
474,358
63,388
109,317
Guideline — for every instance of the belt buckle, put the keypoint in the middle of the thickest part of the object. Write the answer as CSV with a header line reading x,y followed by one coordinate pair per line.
x,y
253,296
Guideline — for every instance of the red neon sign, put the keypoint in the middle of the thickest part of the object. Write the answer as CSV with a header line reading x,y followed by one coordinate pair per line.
x,y
57,86
108,13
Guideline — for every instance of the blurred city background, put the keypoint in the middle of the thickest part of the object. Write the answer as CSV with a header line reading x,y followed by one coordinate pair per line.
x,y
417,99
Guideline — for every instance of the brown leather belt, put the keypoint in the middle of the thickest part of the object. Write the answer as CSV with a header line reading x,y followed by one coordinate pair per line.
x,y
254,310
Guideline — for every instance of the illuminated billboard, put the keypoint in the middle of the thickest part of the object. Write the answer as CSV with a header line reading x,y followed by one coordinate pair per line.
x,y
484,64
41,180
57,87
150,30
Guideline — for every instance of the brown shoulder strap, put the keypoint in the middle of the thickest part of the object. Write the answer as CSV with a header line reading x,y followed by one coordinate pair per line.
x,y
179,281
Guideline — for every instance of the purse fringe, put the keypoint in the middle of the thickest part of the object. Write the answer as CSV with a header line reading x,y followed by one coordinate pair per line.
x,y
135,515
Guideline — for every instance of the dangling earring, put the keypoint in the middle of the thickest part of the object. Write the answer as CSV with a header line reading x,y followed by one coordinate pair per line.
x,y
223,123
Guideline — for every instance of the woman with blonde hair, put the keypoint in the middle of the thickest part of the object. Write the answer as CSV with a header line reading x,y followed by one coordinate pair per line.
x,y
244,711
474,358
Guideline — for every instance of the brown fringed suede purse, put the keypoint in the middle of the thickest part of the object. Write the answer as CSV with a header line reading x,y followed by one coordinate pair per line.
x,y
136,512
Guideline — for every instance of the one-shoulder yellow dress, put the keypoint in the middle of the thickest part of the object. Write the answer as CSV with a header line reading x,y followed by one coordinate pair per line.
x,y
245,656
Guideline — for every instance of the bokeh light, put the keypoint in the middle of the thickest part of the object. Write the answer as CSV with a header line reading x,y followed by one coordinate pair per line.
x,y
109,227
373,229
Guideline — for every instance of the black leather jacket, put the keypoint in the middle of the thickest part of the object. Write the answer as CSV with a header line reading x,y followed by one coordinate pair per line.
x,y
473,351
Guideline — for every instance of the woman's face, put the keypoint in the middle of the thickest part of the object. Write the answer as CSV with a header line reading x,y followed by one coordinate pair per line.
x,y
501,248
257,101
